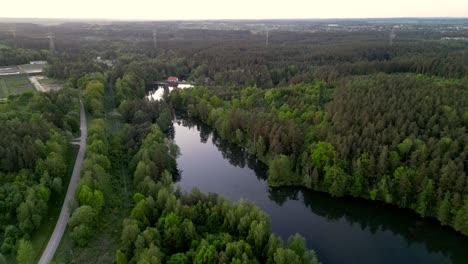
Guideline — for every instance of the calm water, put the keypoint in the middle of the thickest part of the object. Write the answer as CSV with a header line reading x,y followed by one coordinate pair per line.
x,y
339,230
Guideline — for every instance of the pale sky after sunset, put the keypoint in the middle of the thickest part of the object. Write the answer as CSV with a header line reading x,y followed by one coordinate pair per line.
x,y
237,9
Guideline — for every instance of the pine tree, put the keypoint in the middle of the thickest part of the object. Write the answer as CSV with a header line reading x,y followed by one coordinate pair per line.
x,y
443,212
423,203
357,185
461,219
25,254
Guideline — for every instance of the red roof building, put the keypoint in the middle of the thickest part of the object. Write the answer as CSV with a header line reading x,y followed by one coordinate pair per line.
x,y
172,79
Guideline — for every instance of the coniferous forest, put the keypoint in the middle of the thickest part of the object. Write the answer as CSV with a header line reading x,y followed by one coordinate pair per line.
x,y
342,110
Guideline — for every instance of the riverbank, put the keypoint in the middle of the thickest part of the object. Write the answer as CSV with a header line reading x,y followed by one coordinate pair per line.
x,y
298,181
303,133
363,231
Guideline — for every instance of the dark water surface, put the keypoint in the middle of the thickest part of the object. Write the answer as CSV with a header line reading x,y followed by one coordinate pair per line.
x,y
342,230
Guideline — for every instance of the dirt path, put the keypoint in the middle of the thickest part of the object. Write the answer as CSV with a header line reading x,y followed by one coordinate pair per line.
x,y
42,88
36,84
62,221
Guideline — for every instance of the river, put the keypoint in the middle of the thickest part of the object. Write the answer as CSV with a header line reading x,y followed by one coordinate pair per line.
x,y
340,230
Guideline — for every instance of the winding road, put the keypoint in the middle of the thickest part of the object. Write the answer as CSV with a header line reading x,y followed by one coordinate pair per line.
x,y
62,221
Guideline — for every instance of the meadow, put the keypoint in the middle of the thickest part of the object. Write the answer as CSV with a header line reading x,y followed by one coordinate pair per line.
x,y
14,85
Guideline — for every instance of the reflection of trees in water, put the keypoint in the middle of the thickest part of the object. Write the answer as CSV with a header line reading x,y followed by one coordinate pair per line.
x,y
374,216
238,157
234,154
282,195
171,132
177,176
258,167
204,130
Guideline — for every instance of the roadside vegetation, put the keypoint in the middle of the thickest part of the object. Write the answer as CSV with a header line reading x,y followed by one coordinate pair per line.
x,y
36,157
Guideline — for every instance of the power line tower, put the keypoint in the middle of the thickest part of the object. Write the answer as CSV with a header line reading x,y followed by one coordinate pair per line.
x,y
392,36
51,37
267,37
155,40
13,31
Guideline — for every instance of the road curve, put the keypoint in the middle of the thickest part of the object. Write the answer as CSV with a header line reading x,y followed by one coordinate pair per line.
x,y
62,221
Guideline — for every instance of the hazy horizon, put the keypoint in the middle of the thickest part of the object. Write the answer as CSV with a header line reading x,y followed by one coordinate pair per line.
x,y
227,19
229,10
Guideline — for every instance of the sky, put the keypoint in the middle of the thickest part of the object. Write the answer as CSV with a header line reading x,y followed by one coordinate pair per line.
x,y
232,9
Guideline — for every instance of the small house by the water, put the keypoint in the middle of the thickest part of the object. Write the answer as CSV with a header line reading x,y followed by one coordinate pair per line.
x,y
172,79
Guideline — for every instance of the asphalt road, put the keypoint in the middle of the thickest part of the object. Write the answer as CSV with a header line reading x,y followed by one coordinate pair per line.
x,y
54,241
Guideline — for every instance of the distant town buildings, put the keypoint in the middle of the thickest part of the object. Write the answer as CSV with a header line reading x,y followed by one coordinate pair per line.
x,y
454,38
109,63
38,62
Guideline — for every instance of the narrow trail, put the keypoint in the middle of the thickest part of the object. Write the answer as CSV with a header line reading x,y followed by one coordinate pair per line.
x,y
62,221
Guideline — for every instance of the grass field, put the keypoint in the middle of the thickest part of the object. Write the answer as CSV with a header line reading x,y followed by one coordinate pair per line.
x,y
51,81
14,85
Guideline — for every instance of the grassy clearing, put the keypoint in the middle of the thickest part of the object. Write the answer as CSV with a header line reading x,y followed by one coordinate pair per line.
x,y
113,123
3,89
14,85
101,248
118,203
106,239
51,81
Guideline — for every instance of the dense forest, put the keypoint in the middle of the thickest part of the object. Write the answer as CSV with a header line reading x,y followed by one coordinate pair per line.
x,y
400,139
340,111
226,57
35,161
